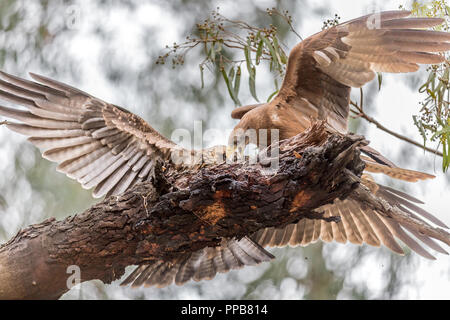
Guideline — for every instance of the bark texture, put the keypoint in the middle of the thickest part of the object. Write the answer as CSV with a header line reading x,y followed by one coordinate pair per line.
x,y
181,211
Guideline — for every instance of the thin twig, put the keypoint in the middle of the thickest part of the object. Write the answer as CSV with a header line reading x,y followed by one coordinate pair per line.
x,y
289,22
362,114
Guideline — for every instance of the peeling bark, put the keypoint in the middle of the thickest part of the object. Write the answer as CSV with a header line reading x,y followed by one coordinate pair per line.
x,y
181,212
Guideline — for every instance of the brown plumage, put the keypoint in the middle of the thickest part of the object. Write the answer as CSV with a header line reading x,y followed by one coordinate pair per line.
x,y
320,73
109,149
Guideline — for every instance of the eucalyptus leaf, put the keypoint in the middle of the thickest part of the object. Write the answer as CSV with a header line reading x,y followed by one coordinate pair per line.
x,y
228,82
272,95
237,82
259,52
252,83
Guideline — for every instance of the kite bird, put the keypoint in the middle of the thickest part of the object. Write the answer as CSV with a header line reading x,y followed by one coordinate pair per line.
x,y
109,149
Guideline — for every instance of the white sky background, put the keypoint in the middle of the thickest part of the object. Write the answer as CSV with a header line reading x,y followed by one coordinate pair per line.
x,y
393,106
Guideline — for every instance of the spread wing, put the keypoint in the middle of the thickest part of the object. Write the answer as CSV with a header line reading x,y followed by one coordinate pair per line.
x,y
200,265
322,69
359,225
98,144
104,146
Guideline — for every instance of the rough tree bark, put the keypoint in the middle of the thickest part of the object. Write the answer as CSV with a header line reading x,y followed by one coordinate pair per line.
x,y
180,212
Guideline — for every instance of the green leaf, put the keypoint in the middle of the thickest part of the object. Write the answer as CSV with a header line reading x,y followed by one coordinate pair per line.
x,y
237,82
380,80
431,93
231,74
272,95
248,59
251,71
442,132
446,158
230,86
276,48
419,126
430,79
201,76
212,53
259,51
272,52
251,83
283,57
219,46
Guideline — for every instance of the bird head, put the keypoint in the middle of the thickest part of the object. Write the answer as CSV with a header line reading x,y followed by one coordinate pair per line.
x,y
247,130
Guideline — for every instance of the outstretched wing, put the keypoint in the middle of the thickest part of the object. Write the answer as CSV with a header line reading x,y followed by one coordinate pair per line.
x,y
376,163
199,265
104,146
322,68
98,144
359,225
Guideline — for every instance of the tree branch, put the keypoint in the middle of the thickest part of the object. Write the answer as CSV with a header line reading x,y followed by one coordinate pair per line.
x,y
181,212
362,114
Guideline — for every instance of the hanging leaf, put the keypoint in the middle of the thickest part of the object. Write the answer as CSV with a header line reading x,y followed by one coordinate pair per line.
x,y
446,157
252,83
430,79
219,46
231,75
283,57
445,150
443,132
237,82
272,95
431,93
277,50
228,82
271,49
380,80
212,53
259,52
201,76
419,126
251,71
248,59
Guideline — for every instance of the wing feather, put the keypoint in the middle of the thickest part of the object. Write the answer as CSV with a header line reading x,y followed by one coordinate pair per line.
x,y
199,265
323,67
358,225
99,144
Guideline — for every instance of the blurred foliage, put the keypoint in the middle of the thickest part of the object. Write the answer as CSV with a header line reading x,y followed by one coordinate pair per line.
x,y
40,34
433,121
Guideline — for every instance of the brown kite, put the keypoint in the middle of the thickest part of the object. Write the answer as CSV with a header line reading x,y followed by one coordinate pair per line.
x,y
105,147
